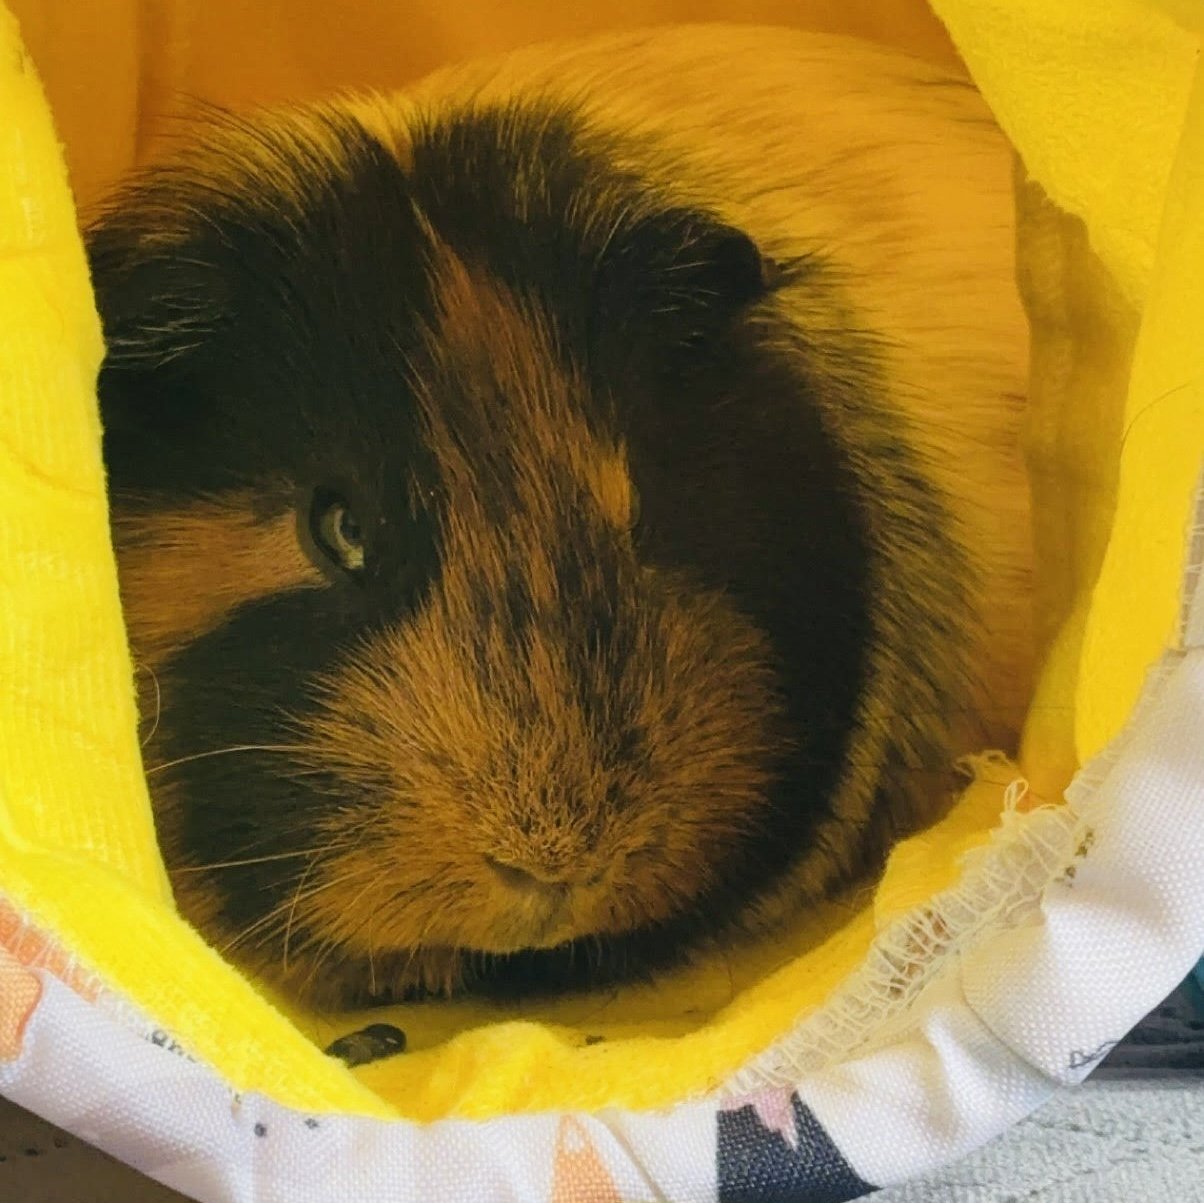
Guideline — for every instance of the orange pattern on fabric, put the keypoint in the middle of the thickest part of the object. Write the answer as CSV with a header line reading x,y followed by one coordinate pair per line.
x,y
27,947
579,1174
20,993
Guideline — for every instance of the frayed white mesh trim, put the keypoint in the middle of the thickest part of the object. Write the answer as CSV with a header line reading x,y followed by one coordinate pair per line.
x,y
1191,618
1001,884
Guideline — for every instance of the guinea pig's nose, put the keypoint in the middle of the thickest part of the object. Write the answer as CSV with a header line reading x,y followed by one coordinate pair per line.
x,y
527,875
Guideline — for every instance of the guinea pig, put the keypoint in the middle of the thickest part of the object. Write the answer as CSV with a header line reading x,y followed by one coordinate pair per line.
x,y
568,514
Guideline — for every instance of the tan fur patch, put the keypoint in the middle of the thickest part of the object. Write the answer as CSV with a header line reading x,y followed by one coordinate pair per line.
x,y
610,483
483,322
184,570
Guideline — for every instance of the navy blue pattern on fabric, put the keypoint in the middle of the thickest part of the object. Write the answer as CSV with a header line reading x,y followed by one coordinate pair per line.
x,y
757,1165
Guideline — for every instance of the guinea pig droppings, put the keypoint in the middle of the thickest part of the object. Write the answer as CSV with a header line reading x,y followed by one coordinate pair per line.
x,y
512,562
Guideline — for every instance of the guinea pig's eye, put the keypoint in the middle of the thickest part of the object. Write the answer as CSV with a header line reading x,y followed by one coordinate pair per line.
x,y
337,531
633,507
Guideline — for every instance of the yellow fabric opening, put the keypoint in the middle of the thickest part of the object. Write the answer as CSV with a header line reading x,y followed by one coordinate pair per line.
x,y
1104,102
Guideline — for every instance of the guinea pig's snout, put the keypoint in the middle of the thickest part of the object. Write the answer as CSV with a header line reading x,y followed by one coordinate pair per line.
x,y
544,895
531,875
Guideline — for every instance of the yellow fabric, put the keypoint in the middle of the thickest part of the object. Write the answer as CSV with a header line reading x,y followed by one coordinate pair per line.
x,y
1103,98
1094,94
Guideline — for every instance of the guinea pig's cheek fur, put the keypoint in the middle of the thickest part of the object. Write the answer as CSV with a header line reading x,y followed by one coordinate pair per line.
x,y
403,728
184,569
715,735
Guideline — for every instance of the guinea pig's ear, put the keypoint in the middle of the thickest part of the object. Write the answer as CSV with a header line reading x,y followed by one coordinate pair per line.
x,y
155,299
681,277
159,306
725,266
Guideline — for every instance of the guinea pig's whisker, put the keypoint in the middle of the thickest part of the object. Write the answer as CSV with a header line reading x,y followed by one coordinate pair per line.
x,y
377,913
1018,711
247,851
256,860
353,840
274,916
330,944
321,957
278,915
292,910
158,703
417,944
333,884
171,764
320,954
